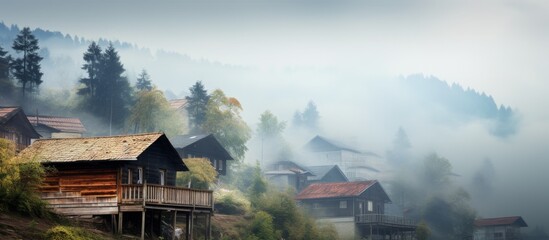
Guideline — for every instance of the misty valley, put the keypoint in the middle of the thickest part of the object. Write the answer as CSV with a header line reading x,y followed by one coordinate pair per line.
x,y
105,139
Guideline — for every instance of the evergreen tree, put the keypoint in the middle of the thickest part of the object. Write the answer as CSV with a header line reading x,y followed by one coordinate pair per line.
x,y
196,105
144,81
4,63
6,86
27,67
310,116
113,89
307,119
92,65
106,92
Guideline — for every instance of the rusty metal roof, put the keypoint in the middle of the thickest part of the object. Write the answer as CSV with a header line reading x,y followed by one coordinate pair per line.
x,y
501,221
63,124
333,190
113,148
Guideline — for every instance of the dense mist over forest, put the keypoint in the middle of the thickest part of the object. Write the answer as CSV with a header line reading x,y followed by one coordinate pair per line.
x,y
496,140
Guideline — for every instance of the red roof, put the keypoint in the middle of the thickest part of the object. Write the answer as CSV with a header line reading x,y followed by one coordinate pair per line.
x,y
331,190
501,221
63,124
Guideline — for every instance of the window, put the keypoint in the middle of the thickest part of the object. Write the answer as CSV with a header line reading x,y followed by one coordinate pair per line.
x,y
342,204
162,177
220,164
316,205
129,176
139,175
498,236
370,206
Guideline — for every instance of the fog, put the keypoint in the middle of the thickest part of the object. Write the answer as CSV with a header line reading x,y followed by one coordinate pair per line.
x,y
352,59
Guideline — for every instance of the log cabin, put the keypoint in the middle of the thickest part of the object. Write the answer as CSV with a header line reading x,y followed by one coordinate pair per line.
x,y
15,126
128,180
357,209
203,146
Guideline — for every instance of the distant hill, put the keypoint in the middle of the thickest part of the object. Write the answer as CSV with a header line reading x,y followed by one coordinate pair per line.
x,y
175,73
63,60
463,104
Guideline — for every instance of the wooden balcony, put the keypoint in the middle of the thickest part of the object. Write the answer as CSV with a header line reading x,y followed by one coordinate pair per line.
x,y
385,220
150,194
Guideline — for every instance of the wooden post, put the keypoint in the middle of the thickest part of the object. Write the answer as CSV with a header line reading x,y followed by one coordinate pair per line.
x,y
144,190
120,216
370,232
143,224
174,223
209,226
191,225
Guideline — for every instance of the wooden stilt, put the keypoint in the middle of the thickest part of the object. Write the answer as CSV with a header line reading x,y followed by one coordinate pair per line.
x,y
187,226
191,225
120,216
143,225
174,223
209,226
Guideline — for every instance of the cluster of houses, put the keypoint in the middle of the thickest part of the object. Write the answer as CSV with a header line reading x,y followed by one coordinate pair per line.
x,y
129,181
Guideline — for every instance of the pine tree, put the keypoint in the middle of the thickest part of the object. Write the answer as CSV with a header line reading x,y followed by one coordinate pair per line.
x,y
196,105
113,89
27,67
92,65
6,86
106,92
4,64
144,81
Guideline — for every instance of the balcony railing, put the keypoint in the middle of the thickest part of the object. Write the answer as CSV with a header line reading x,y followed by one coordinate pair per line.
x,y
168,195
385,219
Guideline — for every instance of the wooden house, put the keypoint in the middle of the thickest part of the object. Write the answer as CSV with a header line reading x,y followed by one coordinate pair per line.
x,y
15,126
326,174
203,146
356,164
502,228
357,209
284,174
129,180
57,127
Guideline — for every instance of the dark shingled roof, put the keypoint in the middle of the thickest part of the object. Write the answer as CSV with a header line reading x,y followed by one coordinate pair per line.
x,y
320,171
63,124
334,190
501,221
206,144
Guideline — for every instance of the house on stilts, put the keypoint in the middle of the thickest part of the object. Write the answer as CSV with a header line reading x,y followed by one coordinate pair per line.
x,y
128,181
357,210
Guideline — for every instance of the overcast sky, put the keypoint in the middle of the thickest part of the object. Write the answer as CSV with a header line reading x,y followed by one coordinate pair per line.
x,y
500,47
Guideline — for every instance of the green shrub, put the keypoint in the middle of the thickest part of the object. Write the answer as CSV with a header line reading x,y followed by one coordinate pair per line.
x,y
19,179
201,174
231,202
70,233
